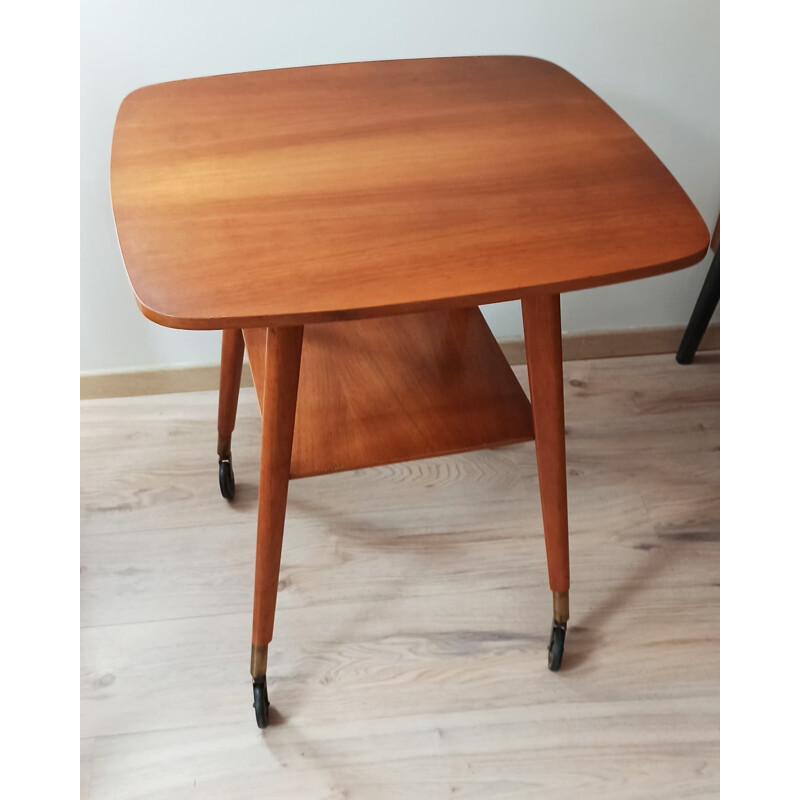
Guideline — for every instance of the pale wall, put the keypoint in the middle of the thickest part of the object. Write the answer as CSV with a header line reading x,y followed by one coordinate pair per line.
x,y
655,62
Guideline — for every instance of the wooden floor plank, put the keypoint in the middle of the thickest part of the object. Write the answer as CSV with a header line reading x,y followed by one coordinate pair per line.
x,y
648,748
334,554
409,652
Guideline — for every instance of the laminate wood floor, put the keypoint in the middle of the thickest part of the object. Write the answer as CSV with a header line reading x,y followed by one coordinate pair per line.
x,y
409,658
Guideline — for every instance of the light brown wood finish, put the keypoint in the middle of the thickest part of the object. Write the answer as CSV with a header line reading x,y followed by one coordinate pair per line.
x,y
230,378
354,190
280,374
541,320
399,388
413,609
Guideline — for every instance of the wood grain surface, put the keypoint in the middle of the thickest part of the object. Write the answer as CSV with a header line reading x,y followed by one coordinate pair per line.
x,y
409,657
354,190
230,379
541,320
280,374
394,389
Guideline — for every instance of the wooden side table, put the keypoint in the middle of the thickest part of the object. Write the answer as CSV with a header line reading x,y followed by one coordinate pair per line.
x,y
343,223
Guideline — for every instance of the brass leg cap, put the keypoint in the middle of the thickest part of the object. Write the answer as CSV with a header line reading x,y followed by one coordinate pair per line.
x,y
560,606
258,662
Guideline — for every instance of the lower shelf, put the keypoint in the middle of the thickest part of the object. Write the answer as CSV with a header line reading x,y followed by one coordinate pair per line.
x,y
379,391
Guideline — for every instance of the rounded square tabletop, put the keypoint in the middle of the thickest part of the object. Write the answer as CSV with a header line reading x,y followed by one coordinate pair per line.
x,y
354,190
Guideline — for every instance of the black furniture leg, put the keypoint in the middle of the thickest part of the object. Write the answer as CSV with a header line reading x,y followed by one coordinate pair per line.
x,y
704,308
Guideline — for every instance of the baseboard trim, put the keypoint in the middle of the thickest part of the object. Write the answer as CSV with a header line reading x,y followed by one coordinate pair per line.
x,y
576,346
616,344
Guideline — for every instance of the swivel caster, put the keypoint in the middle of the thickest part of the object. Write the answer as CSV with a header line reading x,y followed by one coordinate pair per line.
x,y
261,703
226,483
555,650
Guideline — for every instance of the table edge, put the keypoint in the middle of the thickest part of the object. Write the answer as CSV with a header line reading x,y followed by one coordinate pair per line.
x,y
457,301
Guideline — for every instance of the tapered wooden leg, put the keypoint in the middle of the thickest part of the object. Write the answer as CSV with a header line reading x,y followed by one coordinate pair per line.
x,y
281,374
230,377
541,317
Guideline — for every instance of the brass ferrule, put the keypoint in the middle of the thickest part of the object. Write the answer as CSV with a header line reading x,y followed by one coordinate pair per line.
x,y
258,661
224,446
560,606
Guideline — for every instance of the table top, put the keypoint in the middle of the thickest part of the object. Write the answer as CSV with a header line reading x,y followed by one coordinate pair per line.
x,y
354,190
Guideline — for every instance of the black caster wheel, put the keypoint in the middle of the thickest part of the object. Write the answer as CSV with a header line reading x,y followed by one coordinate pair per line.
x,y
555,650
261,703
226,483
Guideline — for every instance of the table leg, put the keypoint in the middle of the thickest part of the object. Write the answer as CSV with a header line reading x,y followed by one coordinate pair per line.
x,y
230,378
281,374
541,317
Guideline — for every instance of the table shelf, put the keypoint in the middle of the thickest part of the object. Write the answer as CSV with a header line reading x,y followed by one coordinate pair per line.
x,y
379,391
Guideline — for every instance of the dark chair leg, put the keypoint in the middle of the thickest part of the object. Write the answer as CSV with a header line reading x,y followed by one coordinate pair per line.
x,y
704,308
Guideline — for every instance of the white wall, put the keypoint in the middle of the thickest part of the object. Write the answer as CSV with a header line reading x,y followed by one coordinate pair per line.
x,y
656,62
